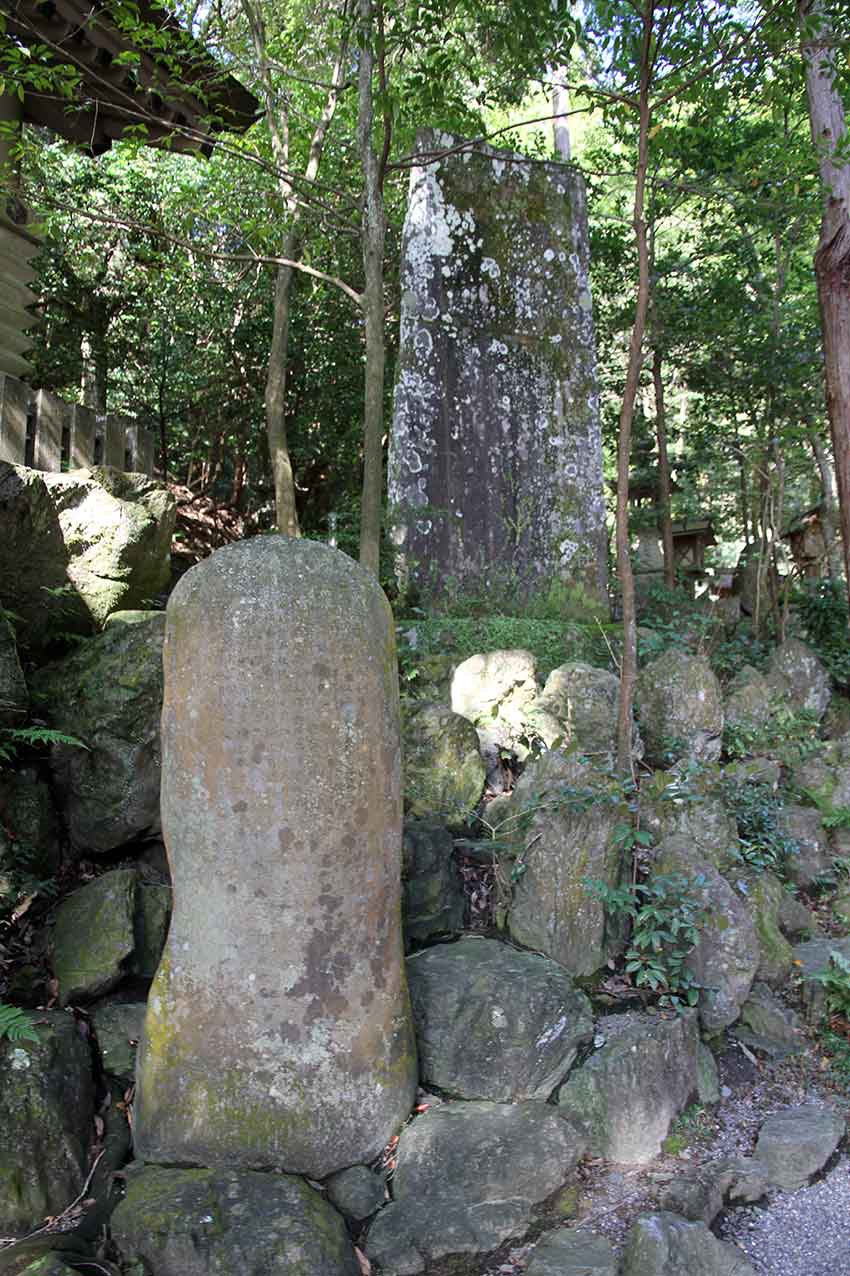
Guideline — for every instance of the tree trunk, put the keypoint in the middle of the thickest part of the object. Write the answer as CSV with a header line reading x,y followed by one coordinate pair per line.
x,y
560,106
286,515
664,516
628,672
373,303
832,259
829,513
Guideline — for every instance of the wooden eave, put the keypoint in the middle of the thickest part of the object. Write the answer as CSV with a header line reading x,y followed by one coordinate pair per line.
x,y
113,97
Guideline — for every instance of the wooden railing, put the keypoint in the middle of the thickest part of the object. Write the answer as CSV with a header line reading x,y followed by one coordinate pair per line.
x,y
43,431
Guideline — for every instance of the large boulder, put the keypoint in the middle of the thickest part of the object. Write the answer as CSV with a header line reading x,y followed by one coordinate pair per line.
x,y
768,1025
628,1093
577,708
726,958
46,1122
796,671
443,768
812,856
679,708
432,892
76,547
495,1023
495,692
572,1253
278,1030
826,774
118,1026
763,894
14,697
569,825
812,958
202,1222
108,694
796,1143
665,1245
693,811
468,1176
749,700
93,936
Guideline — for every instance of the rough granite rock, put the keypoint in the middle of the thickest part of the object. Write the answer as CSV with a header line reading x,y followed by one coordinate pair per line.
x,y
665,1245
468,1177
796,921
357,1192
495,692
46,1122
495,1023
726,958
443,768
827,773
569,1252
767,1024
628,1093
495,468
813,856
93,936
278,1030
217,1223
763,893
569,838
796,1143
748,703
810,959
679,708
577,709
432,892
14,697
797,670
151,919
118,1027
109,695
700,1195
694,812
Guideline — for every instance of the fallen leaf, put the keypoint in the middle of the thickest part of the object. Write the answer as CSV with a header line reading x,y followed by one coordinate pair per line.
x,y
365,1265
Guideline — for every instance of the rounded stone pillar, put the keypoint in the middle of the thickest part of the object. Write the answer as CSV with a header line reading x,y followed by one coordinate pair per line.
x,y
278,1030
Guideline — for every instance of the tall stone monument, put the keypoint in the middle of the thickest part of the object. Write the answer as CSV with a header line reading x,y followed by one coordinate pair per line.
x,y
495,457
278,1029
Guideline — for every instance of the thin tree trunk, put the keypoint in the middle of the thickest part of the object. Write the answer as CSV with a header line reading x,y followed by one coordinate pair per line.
x,y
832,259
664,515
286,516
373,302
829,513
628,673
560,107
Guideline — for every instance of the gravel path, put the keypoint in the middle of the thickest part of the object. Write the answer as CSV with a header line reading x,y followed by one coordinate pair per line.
x,y
804,1233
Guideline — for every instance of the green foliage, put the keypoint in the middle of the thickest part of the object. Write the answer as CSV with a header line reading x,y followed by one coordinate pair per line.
x,y
790,735
837,1051
666,914
822,606
15,1024
743,648
12,739
763,840
835,981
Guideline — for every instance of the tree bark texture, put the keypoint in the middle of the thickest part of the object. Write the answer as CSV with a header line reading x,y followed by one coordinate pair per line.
x,y
664,515
832,259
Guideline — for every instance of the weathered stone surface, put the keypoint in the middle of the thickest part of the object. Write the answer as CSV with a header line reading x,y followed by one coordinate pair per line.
x,y
694,812
495,454
767,1024
46,1122
572,1253
118,1027
578,708
836,721
116,529
278,1029
748,703
796,1143
150,926
797,669
495,1023
14,697
753,583
34,559
432,892
813,856
708,1076
629,1092
827,773
568,839
443,768
679,708
495,692
796,921
93,936
810,959
29,829
357,1192
763,894
108,694
216,1223
665,1245
467,1178
726,958
701,1194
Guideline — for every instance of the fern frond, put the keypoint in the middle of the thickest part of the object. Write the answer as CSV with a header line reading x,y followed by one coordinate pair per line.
x,y
16,1024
